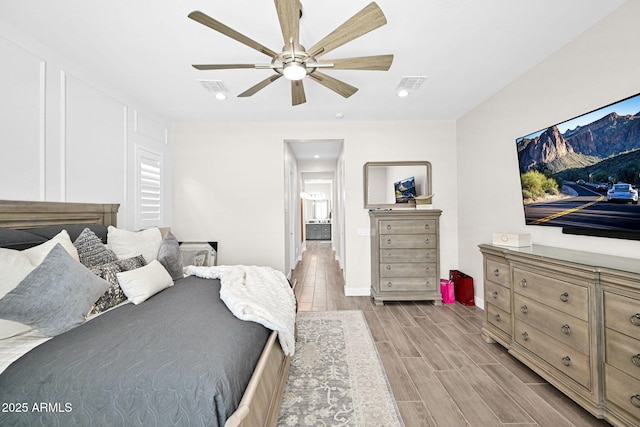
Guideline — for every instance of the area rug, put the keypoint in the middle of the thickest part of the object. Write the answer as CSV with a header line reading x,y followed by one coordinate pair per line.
x,y
336,377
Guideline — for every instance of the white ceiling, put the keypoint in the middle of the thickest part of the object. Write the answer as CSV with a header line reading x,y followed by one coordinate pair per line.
x,y
469,49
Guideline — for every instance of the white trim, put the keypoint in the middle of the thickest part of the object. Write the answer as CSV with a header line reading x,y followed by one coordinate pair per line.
x,y
43,129
63,136
357,292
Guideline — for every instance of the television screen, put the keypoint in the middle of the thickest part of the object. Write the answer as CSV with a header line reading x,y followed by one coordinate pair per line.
x,y
405,190
583,174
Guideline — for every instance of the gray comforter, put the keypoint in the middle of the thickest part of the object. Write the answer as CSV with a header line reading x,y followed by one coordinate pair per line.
x,y
178,359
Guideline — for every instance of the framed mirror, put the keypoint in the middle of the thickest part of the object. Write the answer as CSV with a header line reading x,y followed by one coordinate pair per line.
x,y
393,185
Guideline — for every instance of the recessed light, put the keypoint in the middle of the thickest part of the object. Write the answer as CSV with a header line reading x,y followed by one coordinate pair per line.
x,y
339,116
316,156
221,96
403,93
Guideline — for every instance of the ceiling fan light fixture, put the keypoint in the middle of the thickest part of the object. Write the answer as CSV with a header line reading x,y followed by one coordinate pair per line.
x,y
294,71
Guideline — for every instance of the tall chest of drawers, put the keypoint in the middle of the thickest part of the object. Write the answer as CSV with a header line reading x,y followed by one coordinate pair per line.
x,y
405,255
574,319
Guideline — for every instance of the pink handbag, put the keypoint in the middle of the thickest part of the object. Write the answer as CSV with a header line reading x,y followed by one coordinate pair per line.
x,y
448,291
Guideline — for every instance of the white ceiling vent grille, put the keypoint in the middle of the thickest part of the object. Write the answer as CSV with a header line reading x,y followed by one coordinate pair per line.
x,y
411,83
214,86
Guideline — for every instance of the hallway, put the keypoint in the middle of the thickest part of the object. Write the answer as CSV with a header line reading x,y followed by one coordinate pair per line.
x,y
441,371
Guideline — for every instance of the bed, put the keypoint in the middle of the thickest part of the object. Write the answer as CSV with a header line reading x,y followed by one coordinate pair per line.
x,y
162,362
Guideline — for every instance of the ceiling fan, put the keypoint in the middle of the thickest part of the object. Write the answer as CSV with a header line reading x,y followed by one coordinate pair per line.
x,y
295,62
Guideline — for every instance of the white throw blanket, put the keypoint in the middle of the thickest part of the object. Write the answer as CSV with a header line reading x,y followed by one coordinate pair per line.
x,y
258,294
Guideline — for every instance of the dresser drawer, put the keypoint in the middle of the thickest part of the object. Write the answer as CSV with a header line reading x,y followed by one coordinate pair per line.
x,y
498,295
408,241
622,314
499,318
406,269
561,326
408,255
622,352
497,272
567,297
407,226
622,390
393,284
563,358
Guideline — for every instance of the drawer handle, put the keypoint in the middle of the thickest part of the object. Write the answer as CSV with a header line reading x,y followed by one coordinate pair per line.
x,y
388,241
494,294
635,400
635,319
496,272
427,269
498,317
564,297
426,241
426,226
525,336
388,267
524,309
388,226
636,360
523,283
566,329
566,361
389,285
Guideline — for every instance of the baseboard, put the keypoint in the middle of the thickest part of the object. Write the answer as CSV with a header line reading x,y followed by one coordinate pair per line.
x,y
357,292
479,302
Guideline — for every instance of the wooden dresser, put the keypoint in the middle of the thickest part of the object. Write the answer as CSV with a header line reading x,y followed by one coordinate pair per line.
x,y
405,255
574,318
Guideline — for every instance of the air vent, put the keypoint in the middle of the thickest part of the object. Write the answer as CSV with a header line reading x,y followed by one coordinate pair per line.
x,y
411,83
214,86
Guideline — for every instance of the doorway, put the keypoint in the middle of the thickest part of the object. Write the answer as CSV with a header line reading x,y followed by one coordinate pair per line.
x,y
313,186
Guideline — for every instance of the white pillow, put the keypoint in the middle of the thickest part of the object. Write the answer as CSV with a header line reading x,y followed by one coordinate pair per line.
x,y
16,265
144,282
127,244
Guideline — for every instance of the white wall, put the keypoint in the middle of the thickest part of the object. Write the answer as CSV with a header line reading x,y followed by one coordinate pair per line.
x,y
67,134
248,223
599,67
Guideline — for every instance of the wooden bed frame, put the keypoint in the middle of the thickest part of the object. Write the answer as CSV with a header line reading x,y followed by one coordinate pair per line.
x,y
260,404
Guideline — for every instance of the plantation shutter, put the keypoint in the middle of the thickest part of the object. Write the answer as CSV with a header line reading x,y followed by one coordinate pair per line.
x,y
149,197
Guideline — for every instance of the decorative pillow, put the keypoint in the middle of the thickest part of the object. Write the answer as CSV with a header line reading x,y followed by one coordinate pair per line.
x,y
16,265
18,239
127,244
170,256
56,296
91,250
114,295
144,282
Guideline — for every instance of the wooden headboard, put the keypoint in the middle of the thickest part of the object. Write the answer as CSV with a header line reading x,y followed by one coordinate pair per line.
x,y
26,214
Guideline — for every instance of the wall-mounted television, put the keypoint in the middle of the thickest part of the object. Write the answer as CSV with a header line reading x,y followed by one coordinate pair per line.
x,y
571,173
405,190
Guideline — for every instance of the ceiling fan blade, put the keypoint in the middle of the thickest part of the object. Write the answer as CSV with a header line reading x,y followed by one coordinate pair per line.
x,y
368,19
297,92
289,17
254,89
377,63
335,85
222,66
229,32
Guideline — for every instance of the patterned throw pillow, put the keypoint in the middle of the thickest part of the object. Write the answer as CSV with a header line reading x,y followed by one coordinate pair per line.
x,y
92,251
114,295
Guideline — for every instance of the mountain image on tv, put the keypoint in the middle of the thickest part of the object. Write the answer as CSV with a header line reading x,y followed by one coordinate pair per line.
x,y
581,160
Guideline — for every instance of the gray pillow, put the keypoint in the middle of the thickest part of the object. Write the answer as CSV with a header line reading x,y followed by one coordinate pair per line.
x,y
91,250
170,256
56,296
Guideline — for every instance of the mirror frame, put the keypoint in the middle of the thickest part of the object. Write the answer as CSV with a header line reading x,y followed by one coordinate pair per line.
x,y
370,206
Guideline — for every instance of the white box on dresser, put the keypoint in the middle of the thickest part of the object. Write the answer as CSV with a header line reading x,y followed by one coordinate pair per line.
x,y
574,318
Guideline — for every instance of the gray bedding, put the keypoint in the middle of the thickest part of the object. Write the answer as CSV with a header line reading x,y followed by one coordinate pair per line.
x,y
178,359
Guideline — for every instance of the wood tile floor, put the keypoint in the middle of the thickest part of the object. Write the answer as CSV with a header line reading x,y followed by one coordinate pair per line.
x,y
441,371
